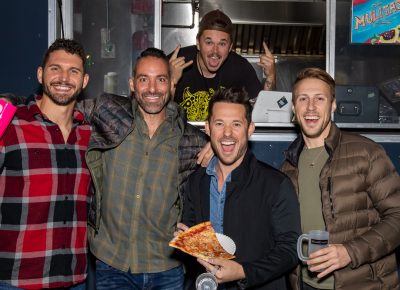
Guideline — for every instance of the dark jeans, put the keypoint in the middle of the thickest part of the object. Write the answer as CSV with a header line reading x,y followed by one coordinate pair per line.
x,y
308,287
398,260
109,278
91,275
6,286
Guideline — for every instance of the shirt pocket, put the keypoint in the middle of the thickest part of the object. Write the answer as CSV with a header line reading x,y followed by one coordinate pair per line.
x,y
28,162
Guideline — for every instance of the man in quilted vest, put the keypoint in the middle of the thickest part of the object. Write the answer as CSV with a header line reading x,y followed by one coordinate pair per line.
x,y
346,185
140,155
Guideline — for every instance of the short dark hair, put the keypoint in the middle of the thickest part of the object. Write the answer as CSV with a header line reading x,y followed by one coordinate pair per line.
x,y
69,45
315,73
215,20
232,96
152,52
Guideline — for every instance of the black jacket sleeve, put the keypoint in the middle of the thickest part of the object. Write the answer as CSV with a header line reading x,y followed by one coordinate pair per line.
x,y
188,215
283,256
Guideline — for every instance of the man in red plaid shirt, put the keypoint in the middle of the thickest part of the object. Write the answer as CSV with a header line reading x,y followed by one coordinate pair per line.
x,y
44,180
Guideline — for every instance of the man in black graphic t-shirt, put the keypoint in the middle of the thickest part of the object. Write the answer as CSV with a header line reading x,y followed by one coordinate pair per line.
x,y
200,70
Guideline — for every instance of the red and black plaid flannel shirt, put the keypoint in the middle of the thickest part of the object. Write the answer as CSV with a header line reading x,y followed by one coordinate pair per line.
x,y
44,186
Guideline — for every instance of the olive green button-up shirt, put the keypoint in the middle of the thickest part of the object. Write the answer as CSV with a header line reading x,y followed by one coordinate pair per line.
x,y
139,211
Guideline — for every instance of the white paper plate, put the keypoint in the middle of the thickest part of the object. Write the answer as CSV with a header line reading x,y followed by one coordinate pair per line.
x,y
227,243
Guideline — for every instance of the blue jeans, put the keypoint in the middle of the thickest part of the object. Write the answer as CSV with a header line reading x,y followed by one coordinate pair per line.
x,y
6,286
109,278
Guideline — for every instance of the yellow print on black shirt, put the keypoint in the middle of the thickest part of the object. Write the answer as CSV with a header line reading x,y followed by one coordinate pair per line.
x,y
196,104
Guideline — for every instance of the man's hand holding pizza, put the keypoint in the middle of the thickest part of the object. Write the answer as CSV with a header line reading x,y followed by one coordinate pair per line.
x,y
224,270
180,227
202,242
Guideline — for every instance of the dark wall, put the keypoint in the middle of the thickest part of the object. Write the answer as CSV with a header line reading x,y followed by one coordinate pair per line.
x,y
24,37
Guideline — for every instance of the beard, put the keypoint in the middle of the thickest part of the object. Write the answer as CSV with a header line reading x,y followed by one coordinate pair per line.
x,y
315,131
151,107
61,99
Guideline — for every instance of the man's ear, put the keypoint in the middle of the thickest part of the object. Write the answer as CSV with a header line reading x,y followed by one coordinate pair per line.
x,y
207,128
85,80
294,115
197,44
39,74
131,84
334,106
251,129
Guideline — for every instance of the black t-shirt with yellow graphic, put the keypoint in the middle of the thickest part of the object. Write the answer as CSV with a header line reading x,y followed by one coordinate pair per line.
x,y
193,91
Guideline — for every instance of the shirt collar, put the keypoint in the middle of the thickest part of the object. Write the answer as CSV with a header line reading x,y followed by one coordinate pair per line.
x,y
33,110
211,168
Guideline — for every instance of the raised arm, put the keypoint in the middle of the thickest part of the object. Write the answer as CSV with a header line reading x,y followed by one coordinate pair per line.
x,y
177,65
267,62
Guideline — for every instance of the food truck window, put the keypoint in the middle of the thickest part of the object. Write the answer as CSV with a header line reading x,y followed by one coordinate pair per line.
x,y
367,66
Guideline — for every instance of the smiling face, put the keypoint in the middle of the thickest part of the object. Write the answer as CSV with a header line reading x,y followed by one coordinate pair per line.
x,y
313,106
214,47
151,85
229,132
62,77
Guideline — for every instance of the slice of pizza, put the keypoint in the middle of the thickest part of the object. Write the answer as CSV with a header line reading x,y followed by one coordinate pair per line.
x,y
200,241
391,36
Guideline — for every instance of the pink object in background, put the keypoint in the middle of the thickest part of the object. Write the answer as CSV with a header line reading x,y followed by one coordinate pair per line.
x,y
140,40
142,7
7,111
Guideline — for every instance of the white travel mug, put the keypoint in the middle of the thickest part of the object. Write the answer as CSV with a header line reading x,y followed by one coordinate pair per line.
x,y
316,240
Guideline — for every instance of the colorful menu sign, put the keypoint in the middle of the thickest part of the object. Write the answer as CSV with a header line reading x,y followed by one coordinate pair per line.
x,y
375,21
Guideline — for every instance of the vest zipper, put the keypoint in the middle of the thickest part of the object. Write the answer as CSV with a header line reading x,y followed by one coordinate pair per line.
x,y
329,189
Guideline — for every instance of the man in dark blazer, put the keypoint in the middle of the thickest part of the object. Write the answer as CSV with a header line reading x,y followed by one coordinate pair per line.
x,y
245,199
